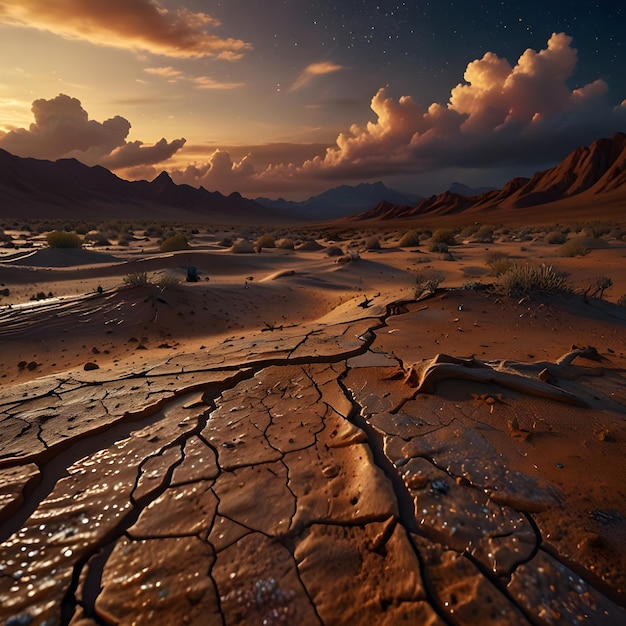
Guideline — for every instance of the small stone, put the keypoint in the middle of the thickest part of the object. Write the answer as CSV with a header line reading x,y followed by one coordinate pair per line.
x,y
33,365
90,365
330,471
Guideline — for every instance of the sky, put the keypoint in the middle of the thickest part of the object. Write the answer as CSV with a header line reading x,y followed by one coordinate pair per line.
x,y
286,98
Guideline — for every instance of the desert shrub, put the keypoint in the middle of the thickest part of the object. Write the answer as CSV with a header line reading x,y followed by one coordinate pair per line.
x,y
597,287
556,237
444,235
573,247
621,301
178,241
264,241
97,239
439,246
242,246
474,285
410,239
167,280
596,230
372,243
499,262
427,283
136,279
484,234
527,278
333,251
153,231
285,244
63,239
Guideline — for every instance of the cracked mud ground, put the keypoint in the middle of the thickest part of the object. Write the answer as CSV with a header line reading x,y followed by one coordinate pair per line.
x,y
337,474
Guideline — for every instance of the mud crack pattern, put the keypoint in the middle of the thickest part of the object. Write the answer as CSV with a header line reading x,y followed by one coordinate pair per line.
x,y
313,483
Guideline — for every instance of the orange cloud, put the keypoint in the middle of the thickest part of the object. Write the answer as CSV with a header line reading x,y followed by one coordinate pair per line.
x,y
313,70
133,24
62,129
173,75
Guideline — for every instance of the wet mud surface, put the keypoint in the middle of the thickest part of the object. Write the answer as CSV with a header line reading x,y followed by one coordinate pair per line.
x,y
310,475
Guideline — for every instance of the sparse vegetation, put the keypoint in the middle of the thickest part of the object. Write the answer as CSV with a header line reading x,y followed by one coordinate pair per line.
x,y
522,278
499,262
285,244
410,239
440,246
166,280
372,243
597,288
444,235
484,234
573,247
136,279
175,242
556,237
64,239
242,246
264,241
333,251
427,283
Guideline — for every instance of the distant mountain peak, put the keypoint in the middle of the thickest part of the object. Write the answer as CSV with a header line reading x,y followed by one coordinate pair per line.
x,y
590,173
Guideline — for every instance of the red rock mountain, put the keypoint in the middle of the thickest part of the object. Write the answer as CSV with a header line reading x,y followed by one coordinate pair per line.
x,y
66,189
595,175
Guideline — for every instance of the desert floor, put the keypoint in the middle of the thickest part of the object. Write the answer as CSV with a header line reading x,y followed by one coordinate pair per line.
x,y
311,436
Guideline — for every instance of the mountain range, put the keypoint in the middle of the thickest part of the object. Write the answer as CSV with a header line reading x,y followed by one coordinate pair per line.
x,y
341,201
590,179
590,182
33,188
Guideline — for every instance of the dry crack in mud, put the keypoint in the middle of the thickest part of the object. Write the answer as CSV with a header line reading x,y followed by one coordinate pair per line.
x,y
318,480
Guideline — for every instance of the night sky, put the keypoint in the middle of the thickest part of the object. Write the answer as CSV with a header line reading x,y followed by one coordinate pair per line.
x,y
289,98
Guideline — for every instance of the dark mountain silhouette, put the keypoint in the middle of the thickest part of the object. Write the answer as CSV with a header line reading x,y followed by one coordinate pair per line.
x,y
586,180
33,188
342,201
464,190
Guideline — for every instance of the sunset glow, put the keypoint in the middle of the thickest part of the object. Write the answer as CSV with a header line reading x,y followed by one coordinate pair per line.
x,y
287,98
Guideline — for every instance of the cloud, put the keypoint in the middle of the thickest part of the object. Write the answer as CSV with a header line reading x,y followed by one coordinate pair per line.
x,y
313,70
173,75
132,24
503,115
515,114
62,129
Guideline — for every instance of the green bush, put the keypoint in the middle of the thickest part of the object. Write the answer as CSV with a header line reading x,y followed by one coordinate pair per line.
x,y
527,278
410,239
484,234
63,239
439,246
264,241
444,235
556,237
499,262
573,247
173,243
372,243
136,279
